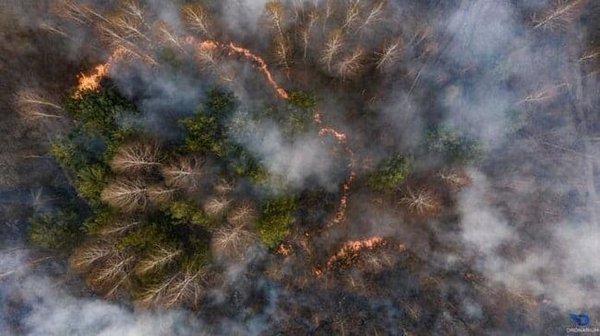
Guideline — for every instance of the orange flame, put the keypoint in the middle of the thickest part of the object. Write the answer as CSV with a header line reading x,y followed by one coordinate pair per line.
x,y
91,82
233,49
354,247
342,139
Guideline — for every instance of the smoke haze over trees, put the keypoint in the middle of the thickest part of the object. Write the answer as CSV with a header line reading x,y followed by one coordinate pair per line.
x,y
310,167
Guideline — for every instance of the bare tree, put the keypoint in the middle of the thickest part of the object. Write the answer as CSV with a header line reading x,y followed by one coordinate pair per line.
x,y
282,45
545,95
72,10
224,186
592,54
421,201
332,48
216,206
562,14
455,179
232,242
275,11
351,65
207,57
185,173
167,35
242,215
282,50
90,254
128,32
197,19
305,32
137,157
352,13
160,194
329,10
155,295
119,227
389,55
33,105
113,274
375,14
185,287
126,195
159,258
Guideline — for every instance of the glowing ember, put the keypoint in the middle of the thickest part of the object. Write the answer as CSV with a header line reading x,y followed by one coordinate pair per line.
x,y
353,248
284,250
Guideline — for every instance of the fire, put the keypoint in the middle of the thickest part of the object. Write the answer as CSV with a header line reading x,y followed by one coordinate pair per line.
x,y
92,81
342,139
353,248
233,49
284,250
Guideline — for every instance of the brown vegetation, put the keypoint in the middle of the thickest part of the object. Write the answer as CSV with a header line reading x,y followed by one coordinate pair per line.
x,y
126,195
33,105
137,157
184,173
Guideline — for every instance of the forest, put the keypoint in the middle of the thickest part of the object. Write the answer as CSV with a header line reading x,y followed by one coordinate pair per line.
x,y
299,167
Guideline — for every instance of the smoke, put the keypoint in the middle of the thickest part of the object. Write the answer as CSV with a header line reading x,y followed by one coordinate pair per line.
x,y
33,302
482,225
242,16
297,161
482,60
503,62
163,98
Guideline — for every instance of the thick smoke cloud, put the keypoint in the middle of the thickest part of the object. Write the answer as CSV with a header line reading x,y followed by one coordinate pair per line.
x,y
44,308
33,303
296,161
504,61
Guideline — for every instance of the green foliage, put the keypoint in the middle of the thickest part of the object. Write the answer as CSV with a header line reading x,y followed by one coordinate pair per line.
x,y
277,217
118,139
186,212
199,256
302,100
203,135
98,111
242,163
67,153
102,217
76,150
91,181
454,146
206,130
293,120
145,238
390,173
59,231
